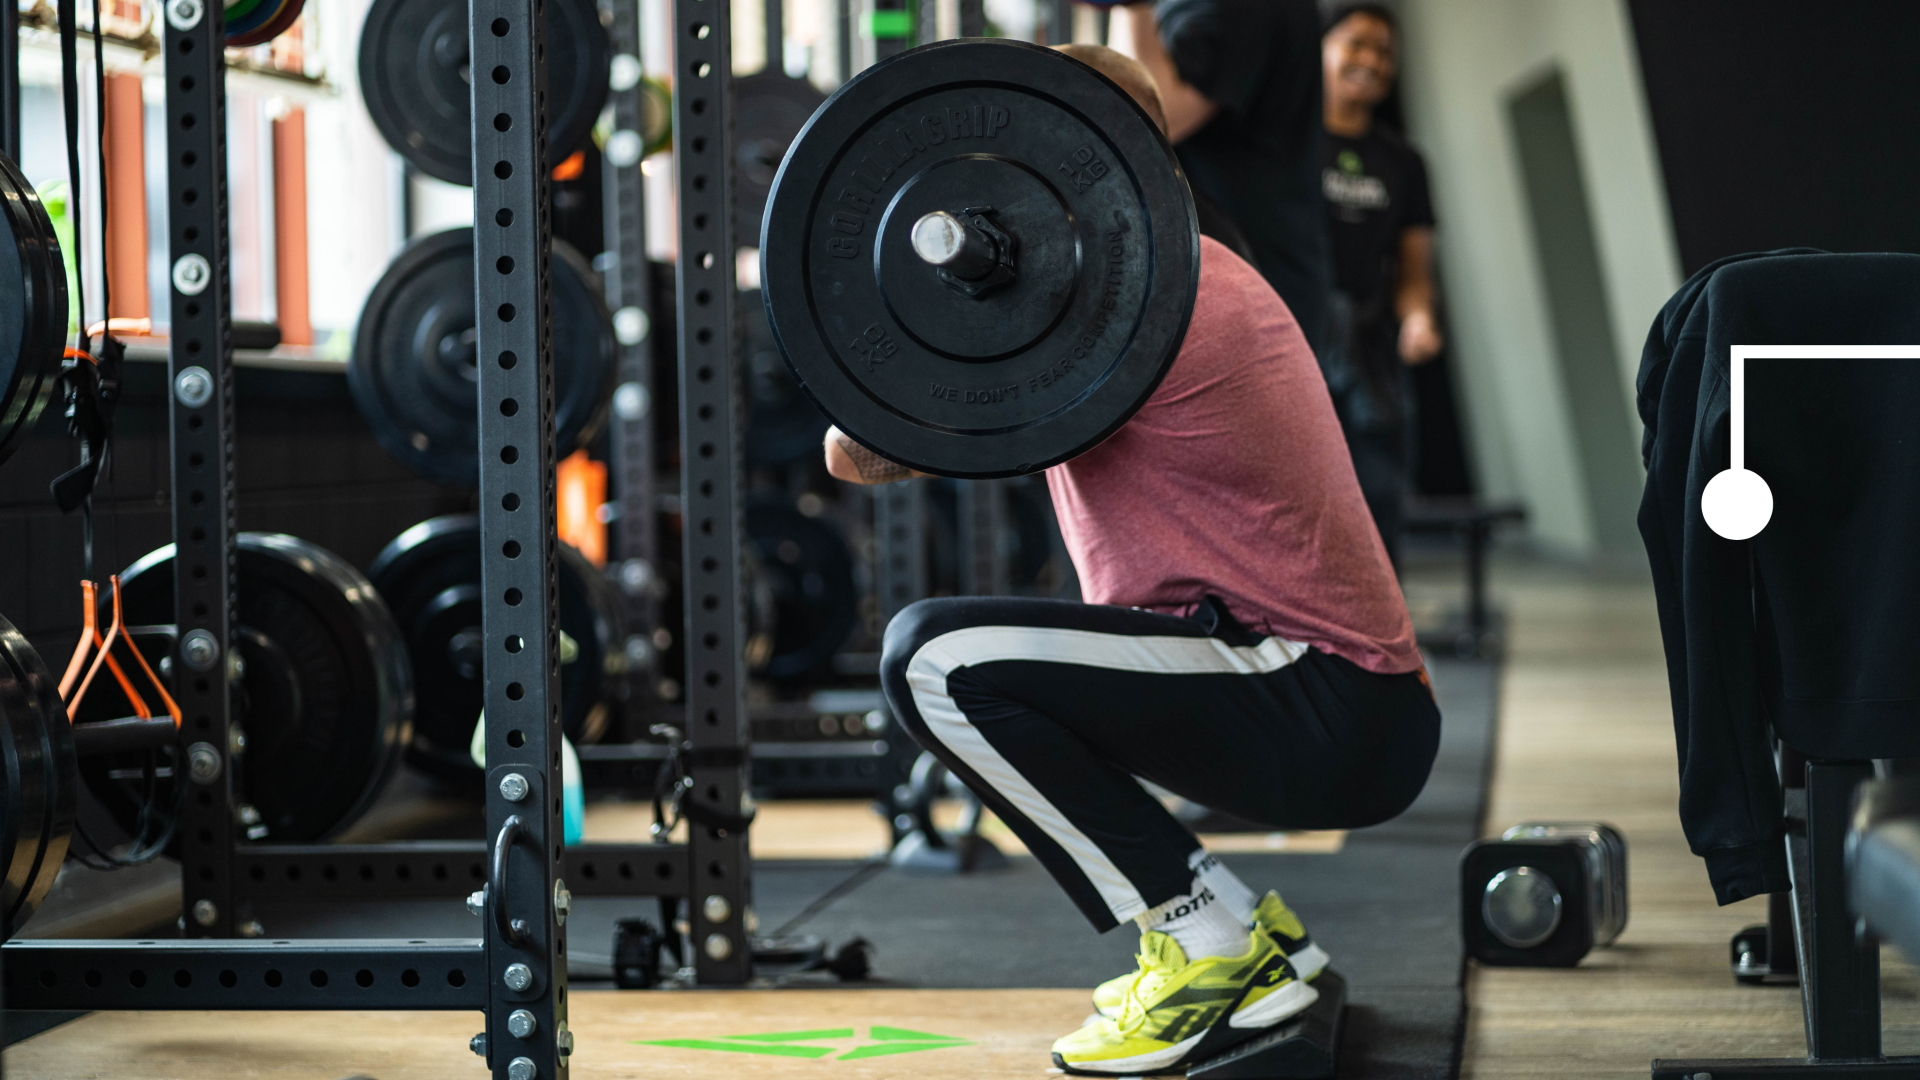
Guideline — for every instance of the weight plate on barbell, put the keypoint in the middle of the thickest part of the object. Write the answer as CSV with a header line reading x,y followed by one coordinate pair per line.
x,y
804,563
769,109
430,574
413,371
39,762
1022,365
415,80
325,695
33,308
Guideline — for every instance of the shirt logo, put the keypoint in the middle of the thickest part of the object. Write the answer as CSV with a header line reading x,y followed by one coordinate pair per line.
x,y
1353,192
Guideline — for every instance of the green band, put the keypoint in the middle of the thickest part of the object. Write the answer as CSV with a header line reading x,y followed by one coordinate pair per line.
x,y
889,24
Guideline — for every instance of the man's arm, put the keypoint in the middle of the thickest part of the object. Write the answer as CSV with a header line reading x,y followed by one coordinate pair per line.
x,y
848,460
1413,296
1187,109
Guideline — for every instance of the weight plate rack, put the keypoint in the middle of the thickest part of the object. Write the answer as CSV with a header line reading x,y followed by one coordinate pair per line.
x,y
518,960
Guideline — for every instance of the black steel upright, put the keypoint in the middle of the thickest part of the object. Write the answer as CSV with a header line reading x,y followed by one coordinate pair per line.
x,y
630,295
200,373
973,18
716,806
526,903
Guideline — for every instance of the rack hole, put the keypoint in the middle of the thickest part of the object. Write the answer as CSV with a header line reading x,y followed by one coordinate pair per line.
x,y
513,597
502,122
510,501
506,315
503,218
48,978
503,169
504,264
701,69
318,977
701,30
500,28
507,360
509,454
515,644
273,978
183,978
229,978
363,977
456,977
501,75
137,979
93,980
515,691
509,406
516,738
511,549
409,978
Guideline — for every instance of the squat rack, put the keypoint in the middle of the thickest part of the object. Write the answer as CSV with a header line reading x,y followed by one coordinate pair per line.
x,y
515,971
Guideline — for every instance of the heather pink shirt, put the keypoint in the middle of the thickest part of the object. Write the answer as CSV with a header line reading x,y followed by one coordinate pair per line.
x,y
1234,480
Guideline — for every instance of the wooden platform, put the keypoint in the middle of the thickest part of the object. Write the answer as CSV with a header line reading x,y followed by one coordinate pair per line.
x,y
855,1035
1586,732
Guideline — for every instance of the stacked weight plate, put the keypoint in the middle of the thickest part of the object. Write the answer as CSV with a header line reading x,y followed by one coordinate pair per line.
x,y
413,373
37,766
252,22
324,689
33,308
415,79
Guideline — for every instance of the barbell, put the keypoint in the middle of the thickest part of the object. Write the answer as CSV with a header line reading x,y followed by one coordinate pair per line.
x,y
979,258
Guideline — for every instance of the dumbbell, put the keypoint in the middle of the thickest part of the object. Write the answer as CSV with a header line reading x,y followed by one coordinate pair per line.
x,y
1545,894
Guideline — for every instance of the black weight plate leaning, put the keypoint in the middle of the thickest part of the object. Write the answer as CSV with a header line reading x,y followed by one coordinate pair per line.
x,y
412,371
804,563
430,574
783,424
325,696
25,806
769,109
60,791
33,308
1106,256
414,78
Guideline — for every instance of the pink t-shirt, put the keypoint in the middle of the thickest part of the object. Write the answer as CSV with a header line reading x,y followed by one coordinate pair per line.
x,y
1234,479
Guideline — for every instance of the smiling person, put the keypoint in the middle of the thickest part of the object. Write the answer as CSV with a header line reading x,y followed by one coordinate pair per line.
x,y
1381,225
1243,645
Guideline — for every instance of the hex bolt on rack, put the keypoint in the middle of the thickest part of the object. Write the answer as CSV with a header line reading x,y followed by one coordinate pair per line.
x,y
522,878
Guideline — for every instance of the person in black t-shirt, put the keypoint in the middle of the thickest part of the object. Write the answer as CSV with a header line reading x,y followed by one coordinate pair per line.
x,y
1241,87
1381,226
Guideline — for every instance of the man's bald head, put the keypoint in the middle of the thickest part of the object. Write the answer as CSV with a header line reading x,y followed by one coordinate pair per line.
x,y
1131,75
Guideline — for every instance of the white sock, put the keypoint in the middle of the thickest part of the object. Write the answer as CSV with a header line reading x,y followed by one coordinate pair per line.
x,y
1199,922
1233,892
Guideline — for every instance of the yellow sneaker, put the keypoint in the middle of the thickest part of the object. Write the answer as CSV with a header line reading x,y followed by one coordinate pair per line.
x,y
1177,1012
1275,919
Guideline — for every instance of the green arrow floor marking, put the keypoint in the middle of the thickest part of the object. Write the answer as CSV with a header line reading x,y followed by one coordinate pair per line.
x,y
881,1041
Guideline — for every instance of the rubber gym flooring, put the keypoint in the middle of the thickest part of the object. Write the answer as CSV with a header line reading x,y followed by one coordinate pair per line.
x,y
973,975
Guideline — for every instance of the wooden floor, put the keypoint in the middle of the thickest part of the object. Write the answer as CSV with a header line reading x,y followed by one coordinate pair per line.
x,y
1585,733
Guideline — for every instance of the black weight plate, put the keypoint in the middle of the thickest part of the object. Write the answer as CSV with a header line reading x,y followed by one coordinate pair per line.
x,y
769,109
430,574
413,76
783,424
326,698
60,781
33,308
412,371
25,805
805,563
1107,257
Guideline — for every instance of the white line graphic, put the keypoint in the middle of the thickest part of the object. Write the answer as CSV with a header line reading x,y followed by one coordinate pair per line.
x,y
1737,503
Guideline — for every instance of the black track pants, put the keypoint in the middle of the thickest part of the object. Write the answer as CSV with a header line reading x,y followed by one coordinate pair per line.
x,y
1049,710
